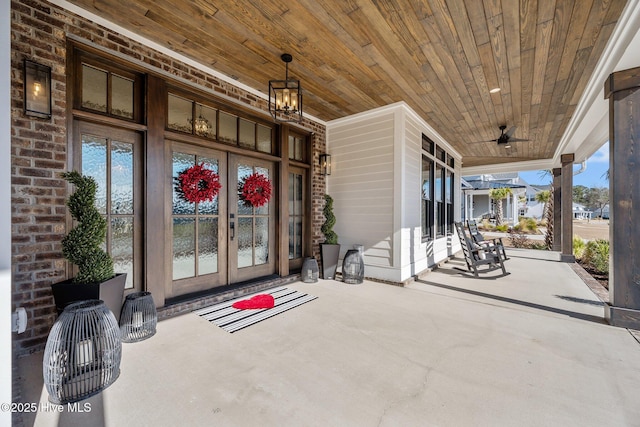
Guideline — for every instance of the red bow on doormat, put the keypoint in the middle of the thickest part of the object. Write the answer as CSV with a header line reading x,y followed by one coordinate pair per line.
x,y
257,301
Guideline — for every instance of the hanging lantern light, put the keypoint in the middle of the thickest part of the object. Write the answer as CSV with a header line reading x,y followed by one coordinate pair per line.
x,y
201,125
285,96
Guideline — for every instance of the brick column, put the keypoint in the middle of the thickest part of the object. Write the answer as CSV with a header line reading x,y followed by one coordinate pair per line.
x,y
567,207
557,209
623,91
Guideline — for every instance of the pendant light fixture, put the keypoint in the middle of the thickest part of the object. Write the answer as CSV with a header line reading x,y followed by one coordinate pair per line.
x,y
285,96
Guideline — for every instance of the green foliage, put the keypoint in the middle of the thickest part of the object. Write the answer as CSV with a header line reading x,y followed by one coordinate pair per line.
x,y
498,194
578,246
597,198
330,236
82,245
543,196
527,225
596,255
580,194
502,228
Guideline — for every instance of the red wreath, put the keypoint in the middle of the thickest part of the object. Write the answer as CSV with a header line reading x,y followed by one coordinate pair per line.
x,y
255,190
198,184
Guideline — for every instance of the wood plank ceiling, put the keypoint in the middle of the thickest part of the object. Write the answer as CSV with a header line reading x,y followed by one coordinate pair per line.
x,y
441,57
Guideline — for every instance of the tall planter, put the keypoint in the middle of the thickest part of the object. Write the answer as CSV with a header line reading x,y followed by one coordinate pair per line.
x,y
95,278
330,249
330,254
110,291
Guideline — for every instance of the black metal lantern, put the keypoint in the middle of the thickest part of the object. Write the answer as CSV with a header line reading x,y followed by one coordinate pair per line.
x,y
310,271
83,352
37,89
139,317
353,266
285,96
325,164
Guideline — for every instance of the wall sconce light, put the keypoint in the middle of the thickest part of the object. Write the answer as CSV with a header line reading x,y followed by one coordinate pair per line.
x,y
37,90
325,164
285,96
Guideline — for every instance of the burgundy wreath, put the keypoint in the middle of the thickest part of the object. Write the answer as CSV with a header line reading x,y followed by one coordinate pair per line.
x,y
255,190
198,184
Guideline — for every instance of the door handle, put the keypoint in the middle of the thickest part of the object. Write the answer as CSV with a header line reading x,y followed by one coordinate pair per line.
x,y
232,227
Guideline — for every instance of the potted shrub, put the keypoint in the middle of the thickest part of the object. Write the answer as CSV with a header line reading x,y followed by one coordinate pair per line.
x,y
82,246
330,249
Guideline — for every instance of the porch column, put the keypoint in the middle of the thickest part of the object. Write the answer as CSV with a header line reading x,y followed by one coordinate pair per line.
x,y
567,207
557,209
623,91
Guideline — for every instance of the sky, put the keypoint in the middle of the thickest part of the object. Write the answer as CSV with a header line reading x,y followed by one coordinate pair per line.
x,y
593,176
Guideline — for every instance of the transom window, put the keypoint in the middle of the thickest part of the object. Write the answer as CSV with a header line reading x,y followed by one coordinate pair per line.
x,y
105,89
188,116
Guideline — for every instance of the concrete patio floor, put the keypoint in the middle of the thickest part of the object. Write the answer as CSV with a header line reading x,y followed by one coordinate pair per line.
x,y
528,349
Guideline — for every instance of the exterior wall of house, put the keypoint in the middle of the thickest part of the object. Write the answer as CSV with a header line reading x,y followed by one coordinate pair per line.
x,y
376,185
39,147
362,186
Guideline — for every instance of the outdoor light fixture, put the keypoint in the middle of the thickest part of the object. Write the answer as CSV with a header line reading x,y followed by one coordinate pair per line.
x,y
285,96
201,125
138,318
325,164
83,352
37,90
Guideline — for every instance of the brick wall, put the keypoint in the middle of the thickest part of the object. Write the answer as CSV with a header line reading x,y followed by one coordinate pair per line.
x,y
39,151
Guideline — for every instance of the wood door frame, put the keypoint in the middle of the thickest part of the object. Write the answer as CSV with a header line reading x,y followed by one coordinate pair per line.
x,y
238,274
110,132
208,281
296,263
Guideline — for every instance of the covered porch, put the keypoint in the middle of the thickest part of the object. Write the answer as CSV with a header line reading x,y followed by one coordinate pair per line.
x,y
405,98
527,349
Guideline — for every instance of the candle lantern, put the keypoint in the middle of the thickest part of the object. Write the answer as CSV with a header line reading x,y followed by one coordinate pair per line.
x,y
139,317
83,352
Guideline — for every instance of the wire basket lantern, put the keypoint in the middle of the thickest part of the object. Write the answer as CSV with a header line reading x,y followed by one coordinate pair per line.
x,y
139,317
353,266
310,271
83,352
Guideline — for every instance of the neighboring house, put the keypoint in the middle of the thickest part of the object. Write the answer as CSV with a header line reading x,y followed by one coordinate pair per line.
x,y
581,212
477,204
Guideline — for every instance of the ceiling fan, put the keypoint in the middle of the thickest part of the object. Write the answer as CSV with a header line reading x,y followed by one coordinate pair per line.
x,y
505,138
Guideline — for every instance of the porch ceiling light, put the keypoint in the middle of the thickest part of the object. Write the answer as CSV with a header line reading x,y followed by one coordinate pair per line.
x,y
285,96
201,125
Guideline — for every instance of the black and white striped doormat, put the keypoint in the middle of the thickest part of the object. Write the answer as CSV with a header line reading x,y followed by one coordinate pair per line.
x,y
232,319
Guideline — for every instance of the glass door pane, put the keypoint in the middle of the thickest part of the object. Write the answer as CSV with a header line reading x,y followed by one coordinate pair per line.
x,y
252,219
195,231
296,215
112,161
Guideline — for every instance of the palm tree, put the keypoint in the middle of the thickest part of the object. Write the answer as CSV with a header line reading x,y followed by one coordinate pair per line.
x,y
543,197
546,197
499,194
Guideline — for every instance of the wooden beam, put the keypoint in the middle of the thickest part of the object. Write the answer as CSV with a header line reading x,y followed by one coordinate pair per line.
x,y
567,207
624,231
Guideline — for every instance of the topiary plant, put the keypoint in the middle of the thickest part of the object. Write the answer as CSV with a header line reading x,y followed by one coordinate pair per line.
x,y
82,245
330,237
596,255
